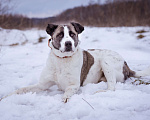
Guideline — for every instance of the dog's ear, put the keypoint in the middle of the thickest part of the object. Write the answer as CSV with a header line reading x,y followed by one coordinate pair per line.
x,y
79,28
51,28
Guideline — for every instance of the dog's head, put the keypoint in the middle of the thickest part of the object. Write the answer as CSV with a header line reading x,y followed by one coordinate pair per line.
x,y
64,38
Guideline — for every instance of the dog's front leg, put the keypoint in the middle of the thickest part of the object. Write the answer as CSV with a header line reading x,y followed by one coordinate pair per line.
x,y
69,91
44,84
33,88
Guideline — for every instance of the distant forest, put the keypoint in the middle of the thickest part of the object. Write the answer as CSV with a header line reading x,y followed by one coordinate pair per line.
x,y
111,14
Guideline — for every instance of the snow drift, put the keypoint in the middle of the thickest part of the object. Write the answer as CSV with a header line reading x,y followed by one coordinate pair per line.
x,y
21,65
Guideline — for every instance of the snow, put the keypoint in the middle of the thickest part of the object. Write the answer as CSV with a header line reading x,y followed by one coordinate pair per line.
x,y
21,65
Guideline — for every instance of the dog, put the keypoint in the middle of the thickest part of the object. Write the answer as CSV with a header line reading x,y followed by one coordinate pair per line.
x,y
70,67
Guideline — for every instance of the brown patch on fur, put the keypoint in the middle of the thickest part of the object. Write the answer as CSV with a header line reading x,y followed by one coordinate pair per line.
x,y
56,39
88,61
51,28
59,29
75,37
71,28
78,28
127,71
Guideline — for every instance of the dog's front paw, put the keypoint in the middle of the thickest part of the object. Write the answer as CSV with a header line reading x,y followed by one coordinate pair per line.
x,y
65,98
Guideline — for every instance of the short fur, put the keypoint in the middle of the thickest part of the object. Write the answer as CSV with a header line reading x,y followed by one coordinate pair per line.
x,y
69,67
88,61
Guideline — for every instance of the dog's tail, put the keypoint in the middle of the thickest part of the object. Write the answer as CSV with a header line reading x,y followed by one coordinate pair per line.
x,y
137,74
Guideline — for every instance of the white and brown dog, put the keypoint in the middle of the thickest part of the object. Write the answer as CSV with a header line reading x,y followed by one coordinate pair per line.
x,y
70,67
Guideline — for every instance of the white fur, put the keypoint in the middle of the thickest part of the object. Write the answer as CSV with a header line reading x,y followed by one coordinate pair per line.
x,y
66,71
109,62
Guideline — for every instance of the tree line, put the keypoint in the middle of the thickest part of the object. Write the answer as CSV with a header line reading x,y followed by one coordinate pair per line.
x,y
117,13
112,14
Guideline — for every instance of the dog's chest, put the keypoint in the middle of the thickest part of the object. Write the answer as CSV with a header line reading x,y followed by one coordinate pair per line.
x,y
67,72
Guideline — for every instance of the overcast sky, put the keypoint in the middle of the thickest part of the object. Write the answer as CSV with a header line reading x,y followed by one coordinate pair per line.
x,y
46,8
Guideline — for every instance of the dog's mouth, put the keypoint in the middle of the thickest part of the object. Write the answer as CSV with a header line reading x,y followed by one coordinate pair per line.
x,y
67,51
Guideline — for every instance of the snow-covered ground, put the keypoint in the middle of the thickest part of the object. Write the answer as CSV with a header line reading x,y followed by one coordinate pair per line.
x,y
22,59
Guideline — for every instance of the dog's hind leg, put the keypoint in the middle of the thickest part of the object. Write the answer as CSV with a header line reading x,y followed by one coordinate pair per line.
x,y
110,76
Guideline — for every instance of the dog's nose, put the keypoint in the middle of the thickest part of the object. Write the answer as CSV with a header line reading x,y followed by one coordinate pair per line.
x,y
68,44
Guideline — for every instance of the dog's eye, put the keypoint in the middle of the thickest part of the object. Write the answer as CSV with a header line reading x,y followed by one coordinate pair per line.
x,y
61,35
71,34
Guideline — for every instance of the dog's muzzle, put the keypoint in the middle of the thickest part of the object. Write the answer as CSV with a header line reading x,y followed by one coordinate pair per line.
x,y
68,46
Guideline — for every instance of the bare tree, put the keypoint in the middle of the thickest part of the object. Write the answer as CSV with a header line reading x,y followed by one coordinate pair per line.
x,y
5,6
